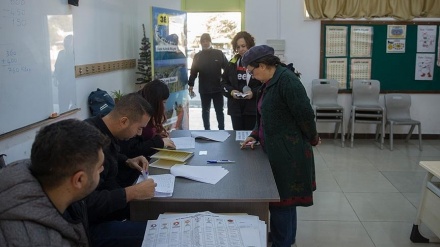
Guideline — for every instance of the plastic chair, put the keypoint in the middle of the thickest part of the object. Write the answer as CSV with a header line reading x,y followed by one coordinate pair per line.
x,y
366,108
325,104
398,113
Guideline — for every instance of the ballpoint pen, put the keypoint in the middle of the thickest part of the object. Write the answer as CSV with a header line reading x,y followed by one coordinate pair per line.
x,y
220,161
144,174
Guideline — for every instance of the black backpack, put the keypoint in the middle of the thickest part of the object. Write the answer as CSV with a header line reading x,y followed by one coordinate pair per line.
x,y
100,102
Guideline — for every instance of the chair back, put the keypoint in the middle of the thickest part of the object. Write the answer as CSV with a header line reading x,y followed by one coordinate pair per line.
x,y
324,91
398,106
365,92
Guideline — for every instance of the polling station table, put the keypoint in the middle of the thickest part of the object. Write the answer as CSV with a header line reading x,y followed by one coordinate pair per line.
x,y
247,188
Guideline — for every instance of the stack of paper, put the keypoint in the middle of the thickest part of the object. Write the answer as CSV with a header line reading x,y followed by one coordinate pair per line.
x,y
204,174
205,229
167,158
219,136
184,142
165,184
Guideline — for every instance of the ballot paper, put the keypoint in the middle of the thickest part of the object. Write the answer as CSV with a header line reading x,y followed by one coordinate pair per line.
x,y
204,174
205,229
165,184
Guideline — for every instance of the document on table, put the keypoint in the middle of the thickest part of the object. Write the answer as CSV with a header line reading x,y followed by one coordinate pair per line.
x,y
184,142
165,164
204,174
218,135
176,155
205,229
165,184
242,135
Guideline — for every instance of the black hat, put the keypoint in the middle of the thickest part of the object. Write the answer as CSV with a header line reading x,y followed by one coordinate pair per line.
x,y
205,36
255,53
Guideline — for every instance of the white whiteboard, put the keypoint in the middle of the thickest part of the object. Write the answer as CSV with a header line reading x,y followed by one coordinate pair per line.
x,y
31,44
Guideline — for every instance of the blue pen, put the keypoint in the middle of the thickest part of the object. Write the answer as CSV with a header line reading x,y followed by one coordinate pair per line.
x,y
145,174
220,161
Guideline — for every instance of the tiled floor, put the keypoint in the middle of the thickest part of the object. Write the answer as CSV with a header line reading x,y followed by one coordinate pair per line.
x,y
365,196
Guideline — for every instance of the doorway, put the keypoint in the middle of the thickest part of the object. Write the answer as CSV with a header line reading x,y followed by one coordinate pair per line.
x,y
222,26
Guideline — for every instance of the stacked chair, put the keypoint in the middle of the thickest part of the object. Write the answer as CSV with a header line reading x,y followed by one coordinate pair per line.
x,y
366,109
325,104
398,113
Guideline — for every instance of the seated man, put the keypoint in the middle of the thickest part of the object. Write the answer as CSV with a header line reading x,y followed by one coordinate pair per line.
x,y
108,204
39,198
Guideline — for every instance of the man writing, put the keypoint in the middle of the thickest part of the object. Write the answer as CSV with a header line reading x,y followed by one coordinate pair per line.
x,y
108,205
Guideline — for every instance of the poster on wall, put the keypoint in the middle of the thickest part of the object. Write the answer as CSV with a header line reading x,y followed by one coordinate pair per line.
x,y
336,41
425,67
395,46
396,31
337,69
170,64
426,36
361,41
360,69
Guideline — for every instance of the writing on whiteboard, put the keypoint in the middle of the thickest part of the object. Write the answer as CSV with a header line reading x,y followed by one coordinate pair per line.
x,y
14,14
10,61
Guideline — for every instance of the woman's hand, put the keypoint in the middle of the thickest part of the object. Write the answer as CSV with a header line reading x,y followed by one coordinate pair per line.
x,y
250,141
168,143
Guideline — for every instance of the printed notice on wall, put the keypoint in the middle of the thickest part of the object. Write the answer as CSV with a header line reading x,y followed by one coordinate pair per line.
x,y
336,68
395,46
360,69
438,50
424,67
361,40
426,36
336,41
396,31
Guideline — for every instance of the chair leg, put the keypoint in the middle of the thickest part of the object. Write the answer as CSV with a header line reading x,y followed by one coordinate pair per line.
x,y
383,130
391,135
342,133
336,130
420,136
351,128
410,133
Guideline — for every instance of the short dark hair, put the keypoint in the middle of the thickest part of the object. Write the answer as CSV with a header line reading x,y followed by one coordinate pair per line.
x,y
248,38
133,106
63,148
155,92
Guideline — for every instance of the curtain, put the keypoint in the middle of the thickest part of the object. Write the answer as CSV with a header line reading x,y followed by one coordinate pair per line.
x,y
398,9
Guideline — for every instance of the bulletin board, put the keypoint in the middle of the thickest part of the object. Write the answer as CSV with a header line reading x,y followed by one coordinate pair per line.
x,y
403,56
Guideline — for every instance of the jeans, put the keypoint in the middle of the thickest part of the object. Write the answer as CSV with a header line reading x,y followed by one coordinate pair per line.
x,y
283,226
118,233
217,99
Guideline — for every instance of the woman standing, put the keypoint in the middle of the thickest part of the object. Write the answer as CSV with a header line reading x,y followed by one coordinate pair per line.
x,y
239,87
154,135
286,130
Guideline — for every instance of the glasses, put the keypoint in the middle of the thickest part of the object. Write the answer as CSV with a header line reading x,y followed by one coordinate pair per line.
x,y
251,72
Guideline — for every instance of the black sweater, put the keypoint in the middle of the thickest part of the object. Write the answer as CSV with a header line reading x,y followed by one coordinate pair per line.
x,y
208,65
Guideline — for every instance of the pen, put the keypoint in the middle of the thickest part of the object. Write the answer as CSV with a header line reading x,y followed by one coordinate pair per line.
x,y
144,174
220,161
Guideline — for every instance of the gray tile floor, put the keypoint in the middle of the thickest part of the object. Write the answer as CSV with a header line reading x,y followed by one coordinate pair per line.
x,y
365,196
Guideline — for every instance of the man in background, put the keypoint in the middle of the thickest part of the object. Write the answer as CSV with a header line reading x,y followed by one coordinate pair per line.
x,y
40,199
108,204
208,65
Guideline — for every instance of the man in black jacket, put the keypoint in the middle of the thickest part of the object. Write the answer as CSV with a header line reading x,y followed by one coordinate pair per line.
x,y
108,204
208,65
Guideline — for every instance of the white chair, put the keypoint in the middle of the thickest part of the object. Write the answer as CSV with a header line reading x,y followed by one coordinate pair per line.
x,y
398,113
325,104
366,108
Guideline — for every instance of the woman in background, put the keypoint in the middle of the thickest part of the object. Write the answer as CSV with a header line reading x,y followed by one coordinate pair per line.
x,y
239,87
154,135
285,127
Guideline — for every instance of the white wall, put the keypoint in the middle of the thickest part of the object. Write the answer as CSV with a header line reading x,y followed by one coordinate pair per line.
x,y
107,30
303,49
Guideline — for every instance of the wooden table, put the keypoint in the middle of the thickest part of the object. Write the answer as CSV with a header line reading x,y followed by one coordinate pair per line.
x,y
429,207
247,188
